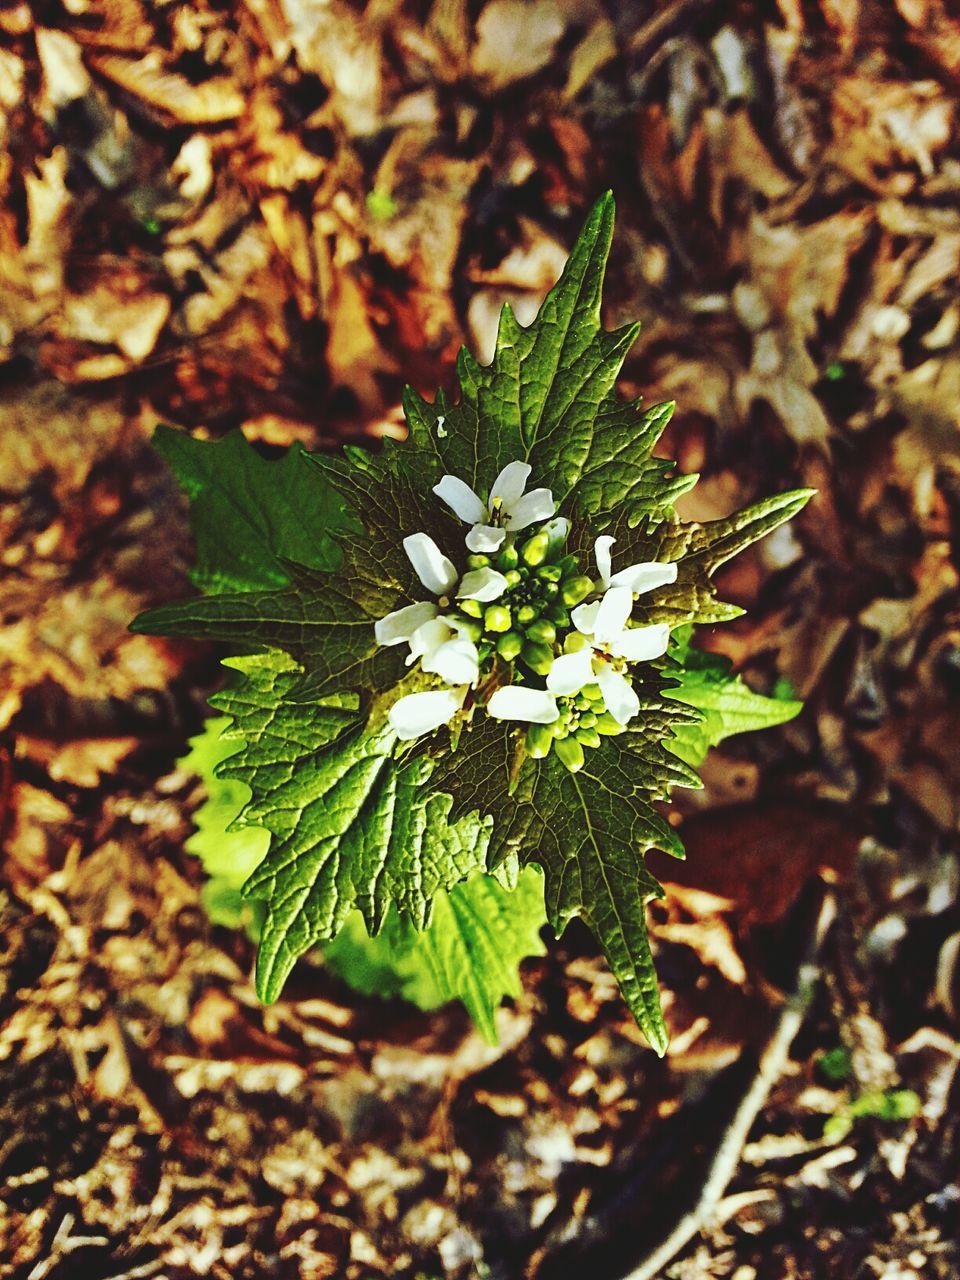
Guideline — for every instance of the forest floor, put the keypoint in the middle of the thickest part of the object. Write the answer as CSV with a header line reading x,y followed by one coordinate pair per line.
x,y
272,214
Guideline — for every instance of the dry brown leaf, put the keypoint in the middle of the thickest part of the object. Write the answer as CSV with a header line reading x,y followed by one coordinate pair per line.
x,y
64,75
880,126
736,151
595,50
151,82
796,274
515,39
344,50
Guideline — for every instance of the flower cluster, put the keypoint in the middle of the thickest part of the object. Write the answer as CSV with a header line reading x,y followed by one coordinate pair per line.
x,y
522,632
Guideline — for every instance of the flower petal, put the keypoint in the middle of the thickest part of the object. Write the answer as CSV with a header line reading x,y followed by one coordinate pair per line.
x,y
639,578
435,571
402,623
615,608
601,553
642,644
461,499
482,585
570,672
584,617
456,662
485,538
618,695
427,639
420,713
510,483
557,531
514,702
536,505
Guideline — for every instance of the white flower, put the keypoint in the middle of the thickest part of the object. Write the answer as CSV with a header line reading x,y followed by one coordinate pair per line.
x,y
639,578
508,509
609,643
420,713
439,642
437,573
515,702
444,650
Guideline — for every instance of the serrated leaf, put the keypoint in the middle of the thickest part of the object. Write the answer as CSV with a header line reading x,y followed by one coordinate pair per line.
x,y
470,951
352,827
727,706
249,515
589,831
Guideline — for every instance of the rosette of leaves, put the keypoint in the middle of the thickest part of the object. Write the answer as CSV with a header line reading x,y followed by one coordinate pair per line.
x,y
303,557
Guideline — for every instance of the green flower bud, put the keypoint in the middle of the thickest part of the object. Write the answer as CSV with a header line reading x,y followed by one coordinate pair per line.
x,y
570,752
539,740
534,550
538,657
576,590
508,558
588,719
607,725
472,608
592,694
551,590
549,573
509,645
567,566
513,577
588,737
526,614
560,730
574,642
497,618
542,631
558,615
470,627
478,562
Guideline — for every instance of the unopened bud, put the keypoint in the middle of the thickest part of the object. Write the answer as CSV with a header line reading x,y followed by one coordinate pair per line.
x,y
508,558
587,737
574,642
534,550
526,614
472,608
570,752
538,657
497,618
539,740
509,645
542,631
575,590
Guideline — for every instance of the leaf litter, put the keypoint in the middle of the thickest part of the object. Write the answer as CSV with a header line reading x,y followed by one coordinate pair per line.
x,y
271,219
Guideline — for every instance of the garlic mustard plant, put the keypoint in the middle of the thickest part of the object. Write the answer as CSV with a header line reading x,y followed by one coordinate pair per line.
x,y
445,682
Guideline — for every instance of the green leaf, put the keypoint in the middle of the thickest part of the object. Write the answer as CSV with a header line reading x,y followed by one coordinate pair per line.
x,y
726,704
548,398
249,515
228,857
588,830
470,951
352,827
